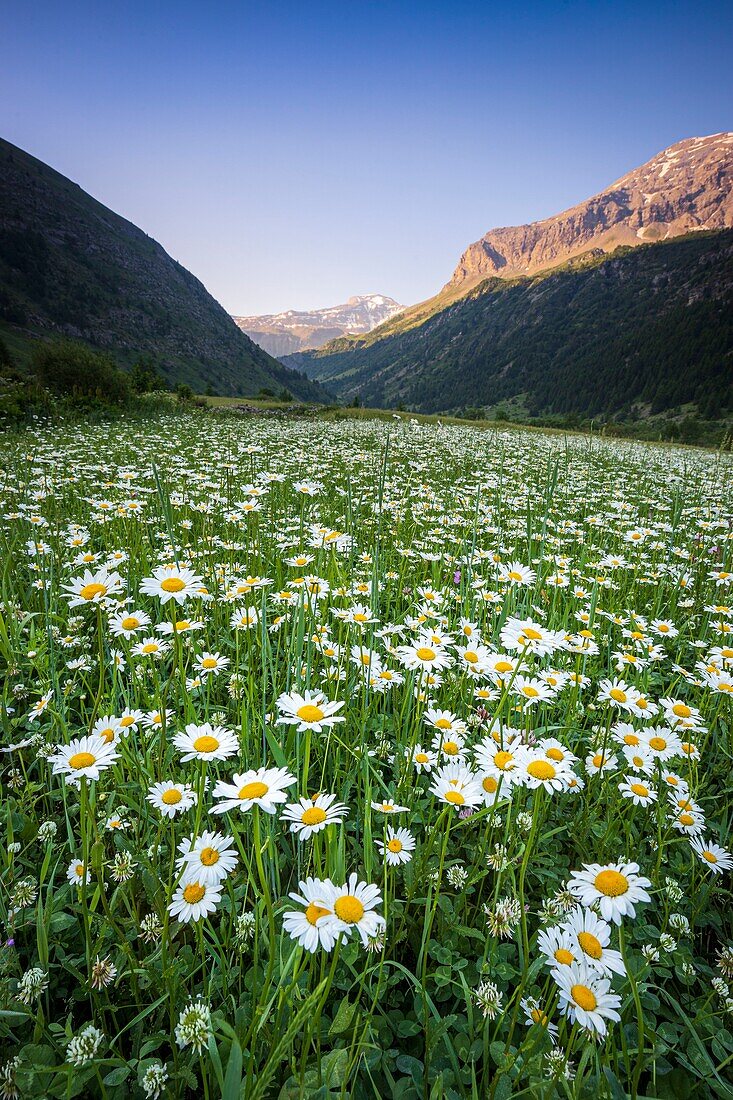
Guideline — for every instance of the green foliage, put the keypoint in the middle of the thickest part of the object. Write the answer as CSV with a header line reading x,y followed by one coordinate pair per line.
x,y
651,326
73,370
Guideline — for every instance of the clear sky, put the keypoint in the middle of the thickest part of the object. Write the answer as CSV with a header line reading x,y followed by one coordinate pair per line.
x,y
293,154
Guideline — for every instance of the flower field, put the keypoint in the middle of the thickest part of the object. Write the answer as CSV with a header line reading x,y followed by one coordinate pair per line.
x,y
364,759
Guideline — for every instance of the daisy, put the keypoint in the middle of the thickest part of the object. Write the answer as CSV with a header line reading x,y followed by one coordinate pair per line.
x,y
109,728
662,742
171,798
557,946
310,815
388,807
718,859
617,887
514,573
533,1014
537,771
209,664
208,859
617,693
194,900
526,635
457,785
585,998
591,937
423,760
39,706
639,757
264,787
641,794
150,647
424,656
206,742
398,846
180,626
75,873
532,690
244,618
451,745
353,907
171,582
310,711
83,758
313,925
503,763
126,623
92,588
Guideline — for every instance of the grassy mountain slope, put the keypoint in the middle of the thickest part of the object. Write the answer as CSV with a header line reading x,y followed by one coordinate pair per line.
x,y
71,267
647,326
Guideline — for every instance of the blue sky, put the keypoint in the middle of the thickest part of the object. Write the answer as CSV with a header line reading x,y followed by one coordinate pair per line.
x,y
291,155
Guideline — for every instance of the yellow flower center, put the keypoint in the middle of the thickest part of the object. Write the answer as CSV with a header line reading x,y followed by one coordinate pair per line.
x,y
640,789
657,743
564,957
359,617
107,734
611,883
150,647
532,635
584,997
538,1017
130,623
686,819
425,653
503,666
209,662
590,944
555,754
349,909
255,789
710,856
471,656
89,591
631,739
455,797
443,724
541,769
618,695
209,856
450,748
171,797
79,870
314,913
81,760
193,893
310,713
529,691
489,784
513,576
206,743
503,759
421,757
173,584
314,815
394,845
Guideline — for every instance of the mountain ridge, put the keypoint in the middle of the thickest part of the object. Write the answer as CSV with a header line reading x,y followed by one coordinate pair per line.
x,y
71,267
298,330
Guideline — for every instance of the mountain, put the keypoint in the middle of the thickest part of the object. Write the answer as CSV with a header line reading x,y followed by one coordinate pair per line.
x,y
576,313
295,330
70,267
685,188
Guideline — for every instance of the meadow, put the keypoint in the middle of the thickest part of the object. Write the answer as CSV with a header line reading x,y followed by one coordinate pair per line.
x,y
364,758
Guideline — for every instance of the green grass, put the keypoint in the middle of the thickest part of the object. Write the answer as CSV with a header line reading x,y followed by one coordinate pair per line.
x,y
340,538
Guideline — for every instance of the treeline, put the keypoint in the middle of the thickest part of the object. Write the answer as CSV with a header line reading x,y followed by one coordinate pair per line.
x,y
66,377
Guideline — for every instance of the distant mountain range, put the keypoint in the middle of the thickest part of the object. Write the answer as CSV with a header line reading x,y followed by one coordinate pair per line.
x,y
579,312
70,267
295,330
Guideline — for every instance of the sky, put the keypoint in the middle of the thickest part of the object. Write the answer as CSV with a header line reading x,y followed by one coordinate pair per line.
x,y
293,154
